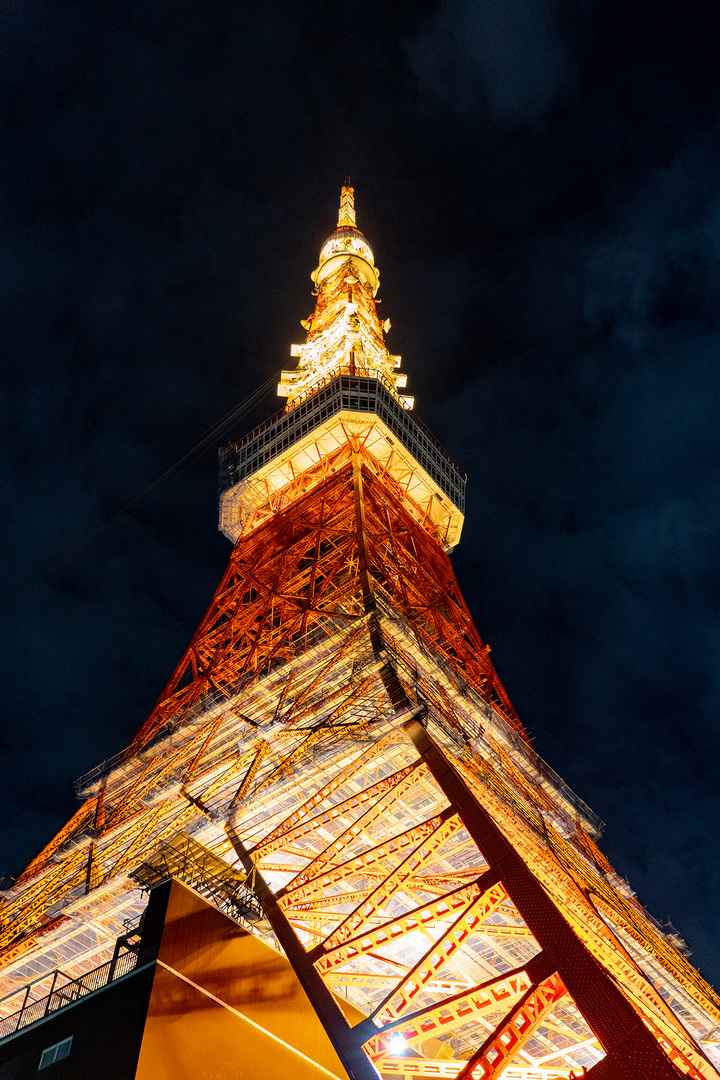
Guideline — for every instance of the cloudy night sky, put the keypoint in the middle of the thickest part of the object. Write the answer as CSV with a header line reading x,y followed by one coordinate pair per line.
x,y
540,182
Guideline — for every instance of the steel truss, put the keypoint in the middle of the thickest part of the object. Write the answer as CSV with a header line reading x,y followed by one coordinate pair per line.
x,y
336,727
339,712
407,1003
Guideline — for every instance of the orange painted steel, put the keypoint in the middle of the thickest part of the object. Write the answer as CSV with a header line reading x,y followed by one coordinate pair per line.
x,y
468,909
407,871
302,568
391,931
76,824
302,576
513,1033
452,1013
427,968
403,844
381,797
300,821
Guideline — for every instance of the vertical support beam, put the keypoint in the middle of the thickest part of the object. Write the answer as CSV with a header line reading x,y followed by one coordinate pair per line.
x,y
365,580
613,1020
52,991
89,873
99,822
328,1011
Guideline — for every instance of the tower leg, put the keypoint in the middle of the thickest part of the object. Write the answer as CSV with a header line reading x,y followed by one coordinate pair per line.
x,y
632,1052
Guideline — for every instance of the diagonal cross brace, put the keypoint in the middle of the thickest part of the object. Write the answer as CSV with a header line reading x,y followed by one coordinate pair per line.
x,y
328,1011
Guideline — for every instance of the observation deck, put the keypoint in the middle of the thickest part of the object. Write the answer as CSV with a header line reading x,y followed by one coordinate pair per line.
x,y
259,475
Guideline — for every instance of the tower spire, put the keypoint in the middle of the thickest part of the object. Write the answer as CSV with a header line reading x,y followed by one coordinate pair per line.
x,y
346,216
344,333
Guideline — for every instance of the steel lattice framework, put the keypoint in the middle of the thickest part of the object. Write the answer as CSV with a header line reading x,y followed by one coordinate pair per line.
x,y
336,735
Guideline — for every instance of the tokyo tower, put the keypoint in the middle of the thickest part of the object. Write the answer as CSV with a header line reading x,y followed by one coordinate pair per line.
x,y
332,850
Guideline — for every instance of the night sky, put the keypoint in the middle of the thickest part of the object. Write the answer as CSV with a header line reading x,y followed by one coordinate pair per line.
x,y
540,182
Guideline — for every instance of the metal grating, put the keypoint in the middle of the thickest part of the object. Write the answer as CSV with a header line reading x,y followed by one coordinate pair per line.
x,y
191,862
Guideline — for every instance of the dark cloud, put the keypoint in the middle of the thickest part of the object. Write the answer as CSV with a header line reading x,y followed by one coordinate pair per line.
x,y
505,56
539,183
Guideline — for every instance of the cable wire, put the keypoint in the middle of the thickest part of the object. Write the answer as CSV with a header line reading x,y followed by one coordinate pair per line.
x,y
185,458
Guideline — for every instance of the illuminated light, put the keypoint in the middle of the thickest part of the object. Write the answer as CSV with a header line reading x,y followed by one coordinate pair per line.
x,y
397,1044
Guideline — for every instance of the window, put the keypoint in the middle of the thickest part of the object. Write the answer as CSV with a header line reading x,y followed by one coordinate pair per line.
x,y
55,1053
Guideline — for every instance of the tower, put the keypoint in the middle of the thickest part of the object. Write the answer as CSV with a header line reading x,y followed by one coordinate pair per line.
x,y
335,765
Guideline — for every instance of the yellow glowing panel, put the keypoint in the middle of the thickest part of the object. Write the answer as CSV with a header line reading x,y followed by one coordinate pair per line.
x,y
248,504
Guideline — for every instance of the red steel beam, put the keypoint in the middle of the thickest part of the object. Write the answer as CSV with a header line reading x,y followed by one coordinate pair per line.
x,y
448,1015
356,866
408,868
438,955
382,795
394,929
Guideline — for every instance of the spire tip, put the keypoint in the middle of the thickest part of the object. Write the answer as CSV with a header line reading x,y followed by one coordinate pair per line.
x,y
346,217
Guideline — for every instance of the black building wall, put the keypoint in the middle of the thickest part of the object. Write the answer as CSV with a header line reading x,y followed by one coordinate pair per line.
x,y
106,1028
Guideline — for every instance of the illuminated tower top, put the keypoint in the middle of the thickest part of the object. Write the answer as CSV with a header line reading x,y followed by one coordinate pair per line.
x,y
343,399
344,333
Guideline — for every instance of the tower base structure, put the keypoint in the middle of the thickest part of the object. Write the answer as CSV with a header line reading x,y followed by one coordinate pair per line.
x,y
203,997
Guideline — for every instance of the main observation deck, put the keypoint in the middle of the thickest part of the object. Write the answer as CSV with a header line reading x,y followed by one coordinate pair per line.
x,y
256,471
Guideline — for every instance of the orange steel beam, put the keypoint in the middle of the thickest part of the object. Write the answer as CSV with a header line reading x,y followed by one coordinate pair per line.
x,y
116,813
357,692
412,885
20,914
285,768
438,1068
367,978
339,898
447,825
394,929
610,1016
76,823
135,848
212,728
149,779
515,1030
309,824
294,717
249,775
383,795
354,867
574,901
336,656
262,603
498,930
447,1015
136,837
366,580
313,569
229,766
399,1000
687,1063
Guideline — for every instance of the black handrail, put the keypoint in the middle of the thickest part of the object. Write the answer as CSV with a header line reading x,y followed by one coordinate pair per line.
x,y
70,992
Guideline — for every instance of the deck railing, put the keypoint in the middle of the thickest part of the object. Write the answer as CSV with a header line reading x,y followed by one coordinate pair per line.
x,y
63,991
